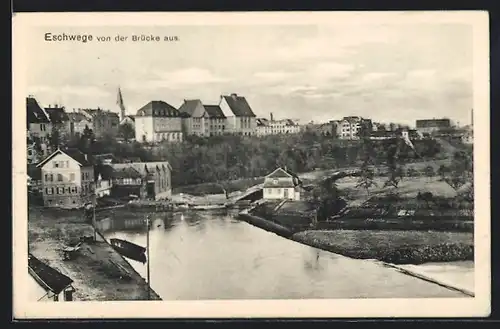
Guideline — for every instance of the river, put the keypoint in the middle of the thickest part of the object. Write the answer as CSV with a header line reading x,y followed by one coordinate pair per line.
x,y
212,255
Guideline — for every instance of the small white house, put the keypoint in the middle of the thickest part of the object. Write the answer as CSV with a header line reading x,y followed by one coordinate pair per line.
x,y
48,284
282,184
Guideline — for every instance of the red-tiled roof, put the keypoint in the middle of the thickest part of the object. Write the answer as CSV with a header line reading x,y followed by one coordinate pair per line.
x,y
47,277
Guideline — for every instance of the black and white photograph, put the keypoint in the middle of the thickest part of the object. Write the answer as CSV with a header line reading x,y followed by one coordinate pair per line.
x,y
221,158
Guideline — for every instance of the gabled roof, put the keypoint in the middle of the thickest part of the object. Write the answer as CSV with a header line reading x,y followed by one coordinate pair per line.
x,y
35,113
214,111
143,167
77,155
57,114
189,106
158,109
124,172
47,277
76,117
238,105
106,172
282,173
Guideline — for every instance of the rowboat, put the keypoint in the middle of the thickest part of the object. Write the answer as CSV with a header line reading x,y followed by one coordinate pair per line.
x,y
129,249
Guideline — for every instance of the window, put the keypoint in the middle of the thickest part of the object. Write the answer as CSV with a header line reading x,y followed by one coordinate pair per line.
x,y
275,181
48,190
59,178
55,164
56,298
72,177
60,190
74,189
47,177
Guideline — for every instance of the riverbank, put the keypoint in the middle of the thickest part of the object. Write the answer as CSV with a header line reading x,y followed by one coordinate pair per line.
x,y
396,247
98,271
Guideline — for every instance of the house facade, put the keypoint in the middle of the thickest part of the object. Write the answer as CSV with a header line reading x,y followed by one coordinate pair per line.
x,y
202,120
276,127
103,180
147,180
240,118
58,118
158,121
38,125
77,122
429,126
46,283
282,184
349,127
67,179
104,122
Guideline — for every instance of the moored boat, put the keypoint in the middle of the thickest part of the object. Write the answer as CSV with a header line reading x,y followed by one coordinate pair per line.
x,y
129,250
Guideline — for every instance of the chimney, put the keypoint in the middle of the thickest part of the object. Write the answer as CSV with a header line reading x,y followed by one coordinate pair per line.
x,y
271,116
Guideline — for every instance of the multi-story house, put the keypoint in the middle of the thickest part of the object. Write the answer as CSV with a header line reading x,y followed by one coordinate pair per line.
x,y
147,180
282,184
202,120
67,179
59,119
349,127
38,124
158,121
77,122
429,126
104,123
239,115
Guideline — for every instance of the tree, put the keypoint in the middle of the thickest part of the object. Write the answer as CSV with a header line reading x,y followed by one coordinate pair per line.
x,y
126,131
55,138
442,171
367,175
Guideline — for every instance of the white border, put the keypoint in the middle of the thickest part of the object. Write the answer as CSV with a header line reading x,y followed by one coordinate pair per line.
x,y
463,307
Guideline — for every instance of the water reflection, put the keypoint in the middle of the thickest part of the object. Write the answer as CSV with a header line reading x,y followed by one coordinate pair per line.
x,y
212,255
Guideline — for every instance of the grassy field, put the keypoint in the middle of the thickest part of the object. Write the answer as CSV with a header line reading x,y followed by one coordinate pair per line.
x,y
398,247
95,275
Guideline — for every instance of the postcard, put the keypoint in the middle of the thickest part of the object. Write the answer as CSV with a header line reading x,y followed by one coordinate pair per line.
x,y
251,164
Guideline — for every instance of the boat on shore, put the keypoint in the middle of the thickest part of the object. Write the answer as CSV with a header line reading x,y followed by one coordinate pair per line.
x,y
129,249
208,207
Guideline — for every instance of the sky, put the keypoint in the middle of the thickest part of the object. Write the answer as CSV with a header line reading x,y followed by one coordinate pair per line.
x,y
389,73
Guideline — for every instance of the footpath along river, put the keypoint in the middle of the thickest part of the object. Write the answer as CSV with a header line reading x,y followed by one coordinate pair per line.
x,y
213,255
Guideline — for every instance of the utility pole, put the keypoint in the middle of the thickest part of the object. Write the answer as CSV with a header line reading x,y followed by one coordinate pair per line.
x,y
147,256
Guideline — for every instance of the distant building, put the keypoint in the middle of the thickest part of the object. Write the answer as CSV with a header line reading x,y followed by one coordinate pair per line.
x,y
103,175
276,127
158,121
67,179
147,180
59,118
282,184
47,284
202,120
240,118
429,126
104,123
349,127
77,122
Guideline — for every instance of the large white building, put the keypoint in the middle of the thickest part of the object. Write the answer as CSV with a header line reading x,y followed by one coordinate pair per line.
x,y
240,119
158,121
349,127
202,120
275,127
282,184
